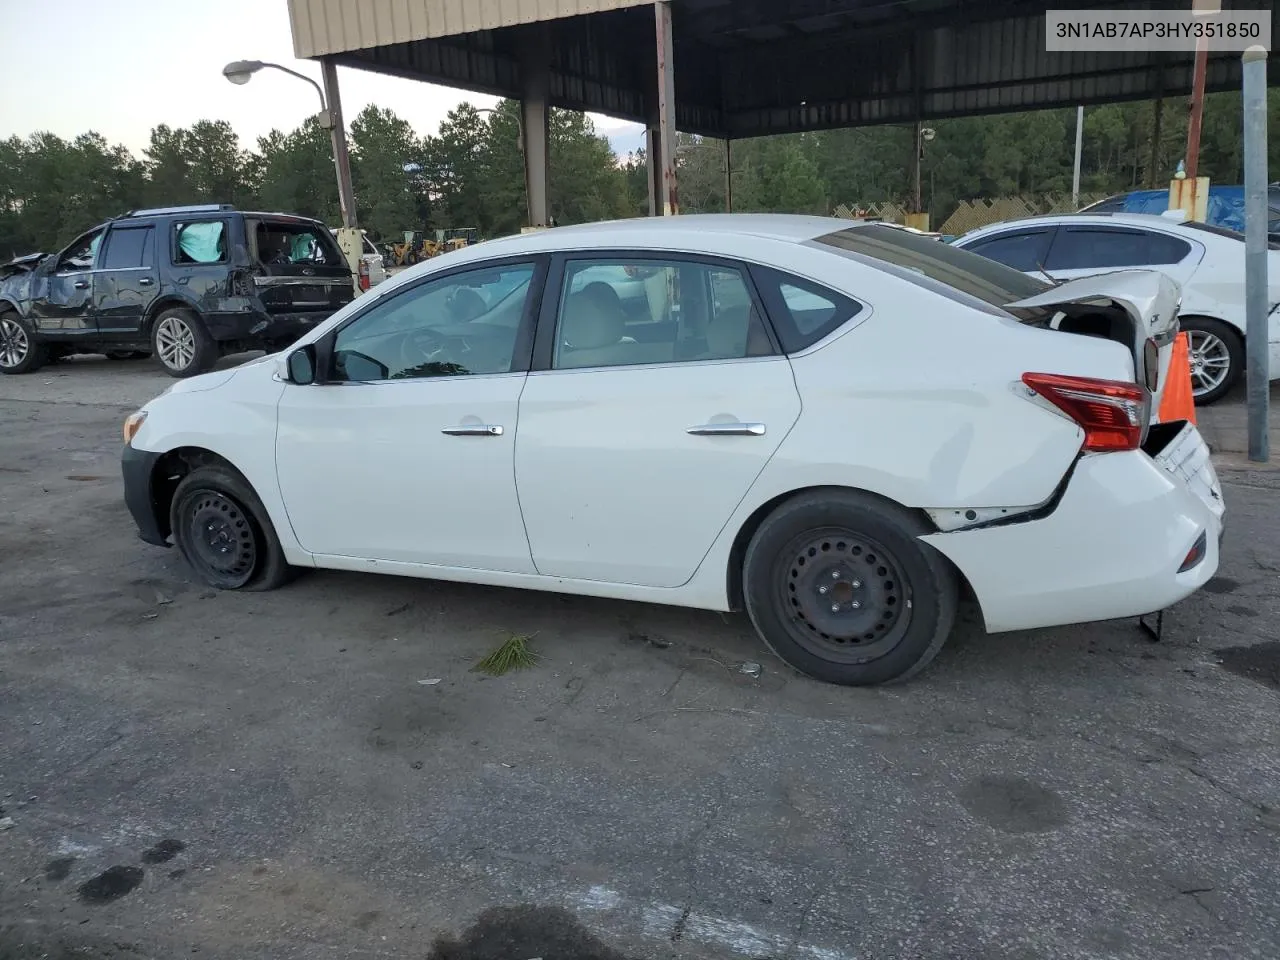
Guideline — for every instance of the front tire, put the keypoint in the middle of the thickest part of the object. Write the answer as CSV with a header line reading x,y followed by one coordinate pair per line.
x,y
839,586
223,532
181,344
21,350
1216,355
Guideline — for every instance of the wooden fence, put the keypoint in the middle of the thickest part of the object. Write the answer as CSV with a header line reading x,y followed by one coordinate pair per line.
x,y
972,214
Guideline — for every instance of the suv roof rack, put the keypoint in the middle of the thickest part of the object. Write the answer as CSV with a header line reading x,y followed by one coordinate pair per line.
x,y
192,208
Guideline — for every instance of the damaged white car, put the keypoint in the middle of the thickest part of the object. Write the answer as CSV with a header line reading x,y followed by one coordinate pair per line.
x,y
840,428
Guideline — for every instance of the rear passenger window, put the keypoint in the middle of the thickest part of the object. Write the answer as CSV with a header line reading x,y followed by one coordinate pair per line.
x,y
128,247
802,312
1025,250
202,242
618,313
1087,248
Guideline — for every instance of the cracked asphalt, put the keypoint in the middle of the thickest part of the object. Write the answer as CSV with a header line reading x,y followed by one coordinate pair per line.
x,y
263,776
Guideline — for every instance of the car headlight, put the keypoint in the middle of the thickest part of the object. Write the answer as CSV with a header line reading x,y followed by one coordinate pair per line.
x,y
132,424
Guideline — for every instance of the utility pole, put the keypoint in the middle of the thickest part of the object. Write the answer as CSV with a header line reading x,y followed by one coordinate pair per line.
x,y
1255,250
1197,90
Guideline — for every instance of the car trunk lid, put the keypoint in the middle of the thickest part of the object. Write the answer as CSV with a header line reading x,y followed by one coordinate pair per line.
x,y
297,265
1136,308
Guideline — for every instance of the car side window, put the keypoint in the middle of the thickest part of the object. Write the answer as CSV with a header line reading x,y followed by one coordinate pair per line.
x,y
1087,248
620,312
128,248
1025,250
463,324
803,312
82,253
202,241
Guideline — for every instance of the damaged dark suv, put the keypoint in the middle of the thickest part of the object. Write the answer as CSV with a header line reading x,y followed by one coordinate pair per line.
x,y
182,284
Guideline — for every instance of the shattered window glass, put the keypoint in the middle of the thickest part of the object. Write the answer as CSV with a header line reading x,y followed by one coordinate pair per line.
x,y
81,254
287,243
201,242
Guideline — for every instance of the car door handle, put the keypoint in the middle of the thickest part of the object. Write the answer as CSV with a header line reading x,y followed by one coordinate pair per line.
x,y
82,284
727,430
475,430
145,282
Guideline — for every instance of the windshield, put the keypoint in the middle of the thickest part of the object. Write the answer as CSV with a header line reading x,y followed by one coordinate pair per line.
x,y
958,274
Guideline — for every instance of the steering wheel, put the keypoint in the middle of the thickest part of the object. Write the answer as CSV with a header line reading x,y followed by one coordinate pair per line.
x,y
419,346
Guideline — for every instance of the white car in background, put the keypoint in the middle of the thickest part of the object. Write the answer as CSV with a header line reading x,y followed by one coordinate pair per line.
x,y
372,262
834,426
1207,262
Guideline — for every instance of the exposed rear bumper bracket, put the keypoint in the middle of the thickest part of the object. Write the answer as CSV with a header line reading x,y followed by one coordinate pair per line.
x,y
1154,634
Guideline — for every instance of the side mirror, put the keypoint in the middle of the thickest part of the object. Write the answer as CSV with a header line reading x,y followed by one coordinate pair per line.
x,y
302,365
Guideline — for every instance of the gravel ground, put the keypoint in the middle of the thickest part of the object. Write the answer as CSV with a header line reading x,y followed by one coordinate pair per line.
x,y
265,776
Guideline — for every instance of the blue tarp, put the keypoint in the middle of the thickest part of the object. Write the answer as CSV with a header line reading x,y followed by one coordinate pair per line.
x,y
1224,209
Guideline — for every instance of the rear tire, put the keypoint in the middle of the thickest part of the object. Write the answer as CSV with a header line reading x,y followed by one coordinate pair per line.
x,y
839,586
180,343
21,350
1213,343
223,532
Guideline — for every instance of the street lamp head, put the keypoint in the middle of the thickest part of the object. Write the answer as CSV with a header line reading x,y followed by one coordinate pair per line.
x,y
239,71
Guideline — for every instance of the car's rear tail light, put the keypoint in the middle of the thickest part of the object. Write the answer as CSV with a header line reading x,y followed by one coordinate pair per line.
x,y
241,283
1113,413
1196,553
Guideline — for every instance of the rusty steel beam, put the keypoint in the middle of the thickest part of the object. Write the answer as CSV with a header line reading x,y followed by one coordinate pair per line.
x,y
338,135
666,80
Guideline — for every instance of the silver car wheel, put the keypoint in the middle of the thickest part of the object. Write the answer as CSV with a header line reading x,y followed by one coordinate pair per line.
x,y
176,343
1210,362
14,345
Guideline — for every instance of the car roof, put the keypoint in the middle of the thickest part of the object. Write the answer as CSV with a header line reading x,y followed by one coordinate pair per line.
x,y
689,231
1117,218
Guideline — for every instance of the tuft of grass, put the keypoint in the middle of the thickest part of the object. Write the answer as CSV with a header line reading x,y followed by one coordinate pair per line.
x,y
513,654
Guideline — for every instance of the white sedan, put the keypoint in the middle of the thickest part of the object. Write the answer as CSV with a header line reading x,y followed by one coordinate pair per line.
x,y
1207,262
837,427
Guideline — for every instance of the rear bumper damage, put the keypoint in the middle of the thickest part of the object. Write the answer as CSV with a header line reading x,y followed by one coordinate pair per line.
x,y
277,328
1117,545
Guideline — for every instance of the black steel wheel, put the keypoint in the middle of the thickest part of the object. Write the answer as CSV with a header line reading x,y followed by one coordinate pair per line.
x,y
845,598
224,533
222,544
838,585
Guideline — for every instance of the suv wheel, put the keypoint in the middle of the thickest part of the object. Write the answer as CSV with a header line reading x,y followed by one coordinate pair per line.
x,y
839,586
20,350
181,343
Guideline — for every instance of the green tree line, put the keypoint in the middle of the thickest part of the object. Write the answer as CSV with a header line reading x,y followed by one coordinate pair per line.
x,y
470,172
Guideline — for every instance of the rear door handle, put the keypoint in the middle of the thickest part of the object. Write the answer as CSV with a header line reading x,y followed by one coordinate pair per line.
x,y
475,430
145,282
82,284
728,430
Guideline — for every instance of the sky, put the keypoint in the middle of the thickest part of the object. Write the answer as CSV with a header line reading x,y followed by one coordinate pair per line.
x,y
121,67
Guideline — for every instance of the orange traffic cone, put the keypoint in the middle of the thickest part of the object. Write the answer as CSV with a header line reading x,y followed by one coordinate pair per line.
x,y
1178,403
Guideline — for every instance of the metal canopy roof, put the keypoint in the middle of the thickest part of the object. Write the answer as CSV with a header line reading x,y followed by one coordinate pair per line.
x,y
746,68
